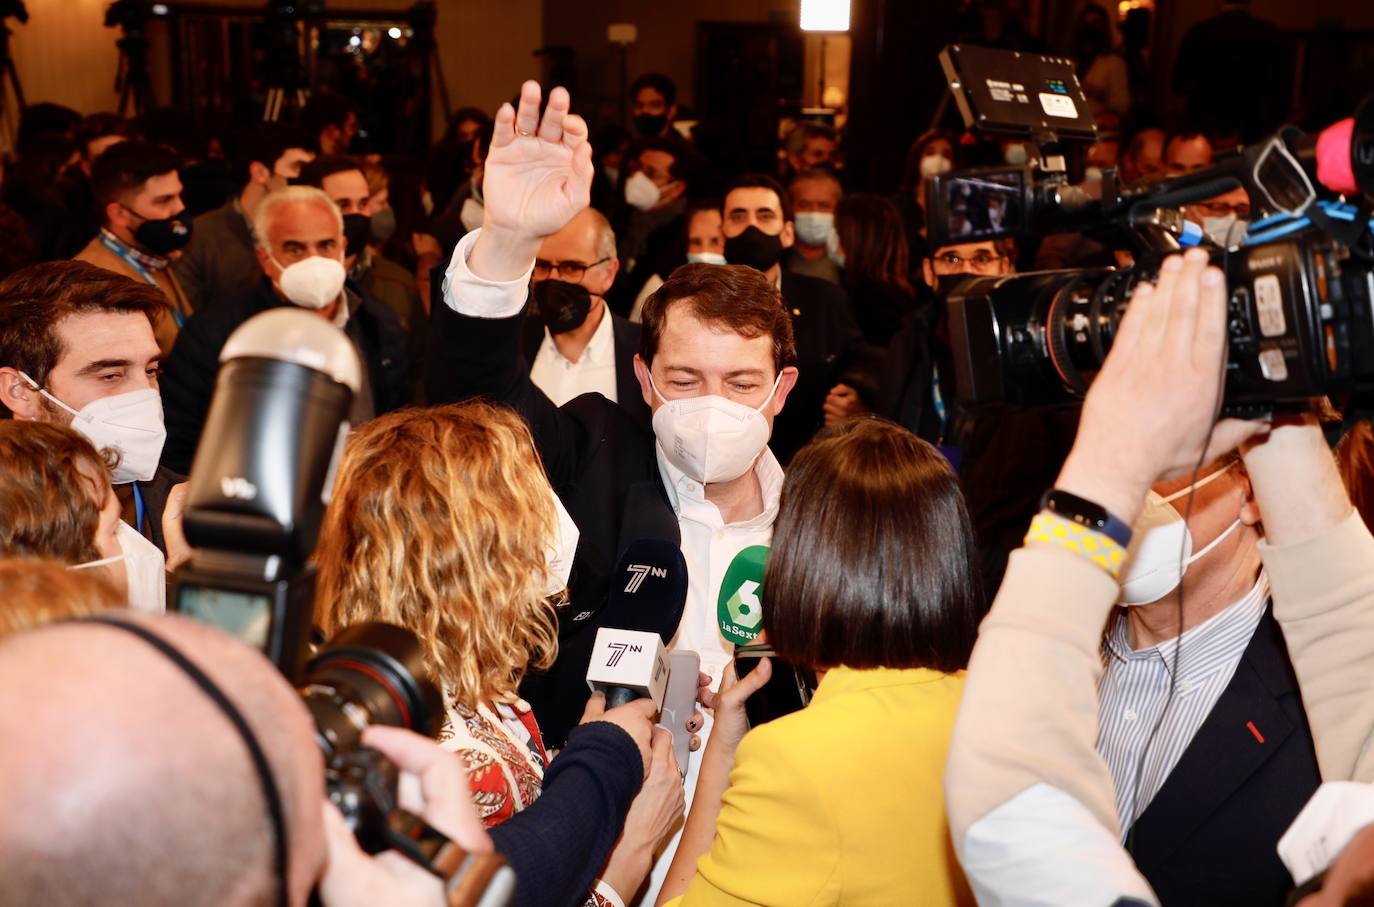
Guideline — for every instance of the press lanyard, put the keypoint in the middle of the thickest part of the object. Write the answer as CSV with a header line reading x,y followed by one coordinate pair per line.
x,y
938,400
177,316
139,509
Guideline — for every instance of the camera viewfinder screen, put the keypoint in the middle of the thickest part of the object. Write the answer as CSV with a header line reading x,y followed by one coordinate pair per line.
x,y
984,206
247,615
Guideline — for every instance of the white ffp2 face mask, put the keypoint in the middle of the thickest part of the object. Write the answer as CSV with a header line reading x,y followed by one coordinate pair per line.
x,y
1153,564
642,192
312,283
129,423
710,438
558,557
814,227
144,567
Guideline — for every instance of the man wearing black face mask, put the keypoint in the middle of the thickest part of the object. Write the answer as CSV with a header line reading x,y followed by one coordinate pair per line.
x,y
653,104
758,226
574,343
144,224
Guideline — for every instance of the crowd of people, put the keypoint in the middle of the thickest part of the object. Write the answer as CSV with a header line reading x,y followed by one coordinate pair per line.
x,y
1108,654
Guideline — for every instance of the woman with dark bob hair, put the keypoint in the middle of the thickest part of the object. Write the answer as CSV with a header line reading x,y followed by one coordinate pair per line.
x,y
870,582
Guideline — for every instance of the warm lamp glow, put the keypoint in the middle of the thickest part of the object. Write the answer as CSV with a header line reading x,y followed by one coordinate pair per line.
x,y
825,15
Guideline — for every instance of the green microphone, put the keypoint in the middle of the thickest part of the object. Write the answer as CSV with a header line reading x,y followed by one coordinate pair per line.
x,y
739,604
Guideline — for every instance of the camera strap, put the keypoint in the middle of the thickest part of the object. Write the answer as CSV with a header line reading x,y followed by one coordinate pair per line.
x,y
216,695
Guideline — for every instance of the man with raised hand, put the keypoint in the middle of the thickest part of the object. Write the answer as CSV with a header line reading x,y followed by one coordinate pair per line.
x,y
714,367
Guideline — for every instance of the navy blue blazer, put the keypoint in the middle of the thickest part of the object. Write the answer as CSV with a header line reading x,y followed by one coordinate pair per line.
x,y
1209,836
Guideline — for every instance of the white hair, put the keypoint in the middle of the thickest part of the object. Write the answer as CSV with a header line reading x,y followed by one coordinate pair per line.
x,y
291,195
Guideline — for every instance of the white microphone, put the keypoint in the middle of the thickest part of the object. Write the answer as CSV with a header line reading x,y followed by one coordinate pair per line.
x,y
627,665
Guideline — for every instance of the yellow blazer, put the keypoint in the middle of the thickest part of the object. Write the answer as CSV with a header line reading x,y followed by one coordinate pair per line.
x,y
842,802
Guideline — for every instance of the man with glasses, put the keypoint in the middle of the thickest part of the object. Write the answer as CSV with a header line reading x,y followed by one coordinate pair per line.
x,y
574,343
1223,218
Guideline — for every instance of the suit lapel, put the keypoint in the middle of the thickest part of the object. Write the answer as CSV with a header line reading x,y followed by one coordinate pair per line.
x,y
1245,728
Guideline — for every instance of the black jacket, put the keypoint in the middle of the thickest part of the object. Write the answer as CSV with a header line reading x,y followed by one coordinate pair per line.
x,y
1209,836
827,339
600,460
626,336
188,381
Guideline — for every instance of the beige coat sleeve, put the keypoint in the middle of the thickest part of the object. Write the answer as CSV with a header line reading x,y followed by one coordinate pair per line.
x,y
1323,593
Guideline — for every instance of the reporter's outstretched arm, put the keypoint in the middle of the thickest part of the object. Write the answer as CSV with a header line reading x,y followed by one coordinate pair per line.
x,y
536,177
1320,560
1030,801
559,843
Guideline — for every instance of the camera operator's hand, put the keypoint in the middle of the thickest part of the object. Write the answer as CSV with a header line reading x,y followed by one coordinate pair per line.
x,y
1152,407
434,787
538,175
653,815
634,718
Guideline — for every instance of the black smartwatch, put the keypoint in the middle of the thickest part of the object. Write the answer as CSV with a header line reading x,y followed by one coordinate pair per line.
x,y
1086,513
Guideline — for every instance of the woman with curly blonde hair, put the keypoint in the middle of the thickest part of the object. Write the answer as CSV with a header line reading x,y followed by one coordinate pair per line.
x,y
441,522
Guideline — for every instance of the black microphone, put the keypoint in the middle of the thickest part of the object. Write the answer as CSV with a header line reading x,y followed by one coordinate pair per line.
x,y
648,589
647,597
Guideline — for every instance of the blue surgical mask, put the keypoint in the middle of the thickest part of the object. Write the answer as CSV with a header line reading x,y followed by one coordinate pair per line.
x,y
814,227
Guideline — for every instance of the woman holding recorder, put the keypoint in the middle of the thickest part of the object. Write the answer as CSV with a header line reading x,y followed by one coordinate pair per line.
x,y
871,582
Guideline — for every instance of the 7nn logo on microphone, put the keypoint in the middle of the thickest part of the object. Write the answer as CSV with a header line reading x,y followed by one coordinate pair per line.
x,y
639,571
618,649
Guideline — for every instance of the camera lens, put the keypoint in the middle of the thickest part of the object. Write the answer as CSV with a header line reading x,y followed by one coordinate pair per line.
x,y
371,673
1080,325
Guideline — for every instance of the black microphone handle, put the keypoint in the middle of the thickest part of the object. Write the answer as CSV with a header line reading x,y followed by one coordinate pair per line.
x,y
618,696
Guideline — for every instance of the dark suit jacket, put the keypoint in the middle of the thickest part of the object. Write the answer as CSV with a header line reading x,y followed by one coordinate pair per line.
x,y
601,462
827,339
155,492
1209,835
188,382
625,334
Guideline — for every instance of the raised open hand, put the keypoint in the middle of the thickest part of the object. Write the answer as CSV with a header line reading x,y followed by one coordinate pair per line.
x,y
538,174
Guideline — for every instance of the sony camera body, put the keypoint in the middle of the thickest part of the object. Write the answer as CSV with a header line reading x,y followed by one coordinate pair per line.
x,y
1299,283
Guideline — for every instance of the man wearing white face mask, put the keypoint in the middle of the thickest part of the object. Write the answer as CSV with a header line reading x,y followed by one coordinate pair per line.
x,y
77,348
300,246
1223,218
655,199
1234,700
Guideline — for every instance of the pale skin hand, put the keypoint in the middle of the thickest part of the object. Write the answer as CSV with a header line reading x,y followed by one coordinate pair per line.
x,y
538,175
434,787
1150,410
173,534
1297,486
655,811
842,403
731,724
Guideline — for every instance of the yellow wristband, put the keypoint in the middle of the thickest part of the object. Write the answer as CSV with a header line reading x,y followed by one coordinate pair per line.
x,y
1051,529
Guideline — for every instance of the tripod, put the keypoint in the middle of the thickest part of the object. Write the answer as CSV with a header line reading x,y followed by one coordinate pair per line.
x,y
131,77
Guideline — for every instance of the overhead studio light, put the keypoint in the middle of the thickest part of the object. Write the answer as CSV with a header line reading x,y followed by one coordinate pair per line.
x,y
825,15
395,33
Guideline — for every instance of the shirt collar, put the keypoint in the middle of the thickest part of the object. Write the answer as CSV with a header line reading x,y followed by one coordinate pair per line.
x,y
1223,635
685,492
600,349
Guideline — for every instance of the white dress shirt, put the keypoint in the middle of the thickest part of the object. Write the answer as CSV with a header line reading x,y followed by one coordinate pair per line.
x,y
593,372
1134,691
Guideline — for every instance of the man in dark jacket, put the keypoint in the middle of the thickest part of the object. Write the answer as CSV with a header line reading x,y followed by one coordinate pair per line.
x,y
758,226
294,227
220,260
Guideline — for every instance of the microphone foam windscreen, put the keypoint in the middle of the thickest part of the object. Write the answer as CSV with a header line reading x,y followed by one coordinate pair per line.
x,y
648,589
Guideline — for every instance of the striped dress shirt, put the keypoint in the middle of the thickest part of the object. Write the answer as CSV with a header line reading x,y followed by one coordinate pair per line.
x,y
1134,692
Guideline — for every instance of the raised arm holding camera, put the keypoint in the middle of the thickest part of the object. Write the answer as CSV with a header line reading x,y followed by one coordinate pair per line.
x,y
1030,798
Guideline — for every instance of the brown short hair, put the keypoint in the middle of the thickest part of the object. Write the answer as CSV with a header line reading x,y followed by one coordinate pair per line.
x,y
35,300
438,524
735,297
40,591
872,563
51,506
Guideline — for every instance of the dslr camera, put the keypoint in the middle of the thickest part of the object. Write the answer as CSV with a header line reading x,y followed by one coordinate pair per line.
x,y
260,482
1299,280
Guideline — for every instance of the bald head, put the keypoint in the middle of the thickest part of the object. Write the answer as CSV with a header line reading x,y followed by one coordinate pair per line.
x,y
132,787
